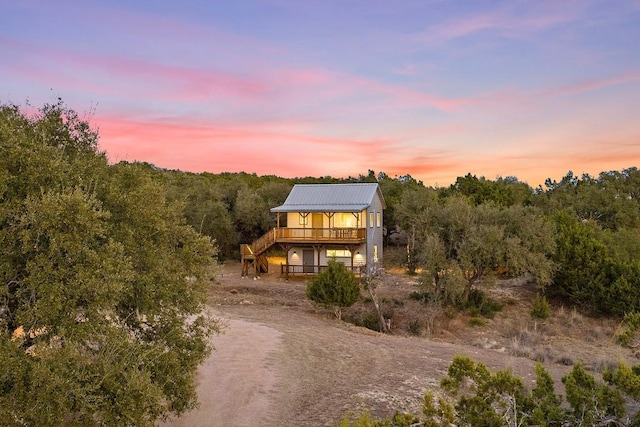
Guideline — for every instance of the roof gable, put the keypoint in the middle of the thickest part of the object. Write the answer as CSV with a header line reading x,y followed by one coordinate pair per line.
x,y
330,198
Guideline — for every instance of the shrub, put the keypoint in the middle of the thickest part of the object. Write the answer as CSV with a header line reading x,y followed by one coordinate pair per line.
x,y
632,324
365,318
479,303
336,287
476,321
541,308
423,297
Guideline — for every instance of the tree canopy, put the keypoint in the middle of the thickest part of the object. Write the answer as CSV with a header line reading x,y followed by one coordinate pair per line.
x,y
102,291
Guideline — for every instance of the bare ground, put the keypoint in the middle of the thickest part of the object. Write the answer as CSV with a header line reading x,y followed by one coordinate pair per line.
x,y
284,362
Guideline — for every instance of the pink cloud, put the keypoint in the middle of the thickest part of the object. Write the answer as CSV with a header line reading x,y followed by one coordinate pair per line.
x,y
215,147
589,85
508,20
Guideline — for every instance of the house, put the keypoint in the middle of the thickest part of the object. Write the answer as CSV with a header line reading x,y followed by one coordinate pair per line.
x,y
319,222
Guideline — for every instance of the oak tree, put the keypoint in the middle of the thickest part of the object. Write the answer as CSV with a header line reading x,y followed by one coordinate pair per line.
x,y
101,282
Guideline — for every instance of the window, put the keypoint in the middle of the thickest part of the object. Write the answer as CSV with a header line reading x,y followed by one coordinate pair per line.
x,y
345,220
338,253
371,219
304,219
375,253
378,219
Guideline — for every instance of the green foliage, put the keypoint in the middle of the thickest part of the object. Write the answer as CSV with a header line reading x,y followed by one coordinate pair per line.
x,y
423,297
503,192
631,323
437,411
590,402
626,378
590,273
336,287
610,200
101,291
479,304
461,245
476,321
541,308
364,420
472,395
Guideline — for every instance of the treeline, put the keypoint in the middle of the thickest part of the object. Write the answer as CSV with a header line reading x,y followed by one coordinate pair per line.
x,y
579,237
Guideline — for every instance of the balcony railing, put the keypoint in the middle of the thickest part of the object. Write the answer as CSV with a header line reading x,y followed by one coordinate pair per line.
x,y
302,235
321,234
313,270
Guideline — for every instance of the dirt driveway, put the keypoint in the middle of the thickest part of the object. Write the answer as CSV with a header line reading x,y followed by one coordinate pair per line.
x,y
283,362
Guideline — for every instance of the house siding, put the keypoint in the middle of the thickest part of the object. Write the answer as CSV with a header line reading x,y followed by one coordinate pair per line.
x,y
374,232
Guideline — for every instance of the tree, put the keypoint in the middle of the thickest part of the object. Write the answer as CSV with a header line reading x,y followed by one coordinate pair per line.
x,y
414,214
600,278
252,215
370,283
335,287
460,245
101,282
503,192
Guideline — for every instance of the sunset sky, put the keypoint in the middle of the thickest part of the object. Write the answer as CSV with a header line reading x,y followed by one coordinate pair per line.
x,y
435,89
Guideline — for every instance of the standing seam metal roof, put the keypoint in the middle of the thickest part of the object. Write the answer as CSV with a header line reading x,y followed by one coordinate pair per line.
x,y
330,198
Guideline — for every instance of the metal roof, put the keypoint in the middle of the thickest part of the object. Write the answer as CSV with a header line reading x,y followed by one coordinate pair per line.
x,y
330,198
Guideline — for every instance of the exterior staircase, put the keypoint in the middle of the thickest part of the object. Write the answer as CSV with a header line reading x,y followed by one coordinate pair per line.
x,y
253,255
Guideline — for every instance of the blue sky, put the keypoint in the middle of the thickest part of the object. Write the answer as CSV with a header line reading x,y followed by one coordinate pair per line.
x,y
435,89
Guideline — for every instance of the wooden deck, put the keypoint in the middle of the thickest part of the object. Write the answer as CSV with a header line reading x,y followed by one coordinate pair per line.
x,y
253,254
303,235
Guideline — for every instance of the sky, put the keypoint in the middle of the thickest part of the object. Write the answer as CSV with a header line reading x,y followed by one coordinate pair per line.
x,y
431,88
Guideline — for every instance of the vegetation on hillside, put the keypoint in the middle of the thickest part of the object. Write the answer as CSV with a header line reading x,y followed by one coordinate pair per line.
x,y
578,237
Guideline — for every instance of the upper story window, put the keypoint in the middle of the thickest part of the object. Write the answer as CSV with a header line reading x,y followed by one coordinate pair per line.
x,y
345,220
371,219
378,219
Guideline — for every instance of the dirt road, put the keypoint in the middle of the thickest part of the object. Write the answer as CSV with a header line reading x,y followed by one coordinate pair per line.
x,y
283,362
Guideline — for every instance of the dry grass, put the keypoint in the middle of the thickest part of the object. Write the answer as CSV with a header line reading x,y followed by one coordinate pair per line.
x,y
565,338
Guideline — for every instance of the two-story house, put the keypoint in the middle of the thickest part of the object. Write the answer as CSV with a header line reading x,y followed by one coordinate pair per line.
x,y
319,222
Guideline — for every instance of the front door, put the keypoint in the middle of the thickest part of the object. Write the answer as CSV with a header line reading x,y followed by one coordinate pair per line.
x,y
307,260
316,223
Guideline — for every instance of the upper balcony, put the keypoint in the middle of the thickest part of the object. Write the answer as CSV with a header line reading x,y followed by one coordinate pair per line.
x,y
325,235
303,235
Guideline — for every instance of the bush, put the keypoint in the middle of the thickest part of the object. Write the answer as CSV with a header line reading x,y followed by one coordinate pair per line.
x,y
479,303
365,318
541,308
632,324
336,287
423,297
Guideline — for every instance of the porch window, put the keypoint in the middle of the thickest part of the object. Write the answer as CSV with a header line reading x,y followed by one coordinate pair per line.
x,y
344,220
303,219
338,253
